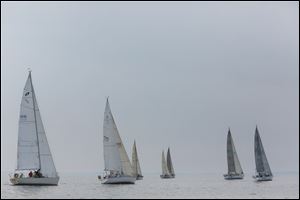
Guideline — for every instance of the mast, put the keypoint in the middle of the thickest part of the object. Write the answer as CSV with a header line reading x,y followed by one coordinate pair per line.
x,y
37,135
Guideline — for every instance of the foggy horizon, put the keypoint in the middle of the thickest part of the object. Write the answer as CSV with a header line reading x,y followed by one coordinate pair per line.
x,y
177,74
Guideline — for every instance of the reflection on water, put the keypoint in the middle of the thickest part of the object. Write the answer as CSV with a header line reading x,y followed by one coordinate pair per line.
x,y
183,186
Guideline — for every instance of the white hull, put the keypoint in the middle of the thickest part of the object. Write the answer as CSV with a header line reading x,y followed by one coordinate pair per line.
x,y
35,181
119,180
263,178
140,177
233,176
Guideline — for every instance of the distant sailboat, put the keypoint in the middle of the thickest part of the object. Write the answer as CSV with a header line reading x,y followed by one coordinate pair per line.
x,y
35,165
118,168
234,167
136,164
165,171
170,164
263,171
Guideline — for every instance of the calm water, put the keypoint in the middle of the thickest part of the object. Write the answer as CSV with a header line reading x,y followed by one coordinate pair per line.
x,y
284,185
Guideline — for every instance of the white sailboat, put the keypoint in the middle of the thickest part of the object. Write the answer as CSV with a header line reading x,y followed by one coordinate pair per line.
x,y
234,167
35,164
118,168
136,164
165,170
170,164
263,171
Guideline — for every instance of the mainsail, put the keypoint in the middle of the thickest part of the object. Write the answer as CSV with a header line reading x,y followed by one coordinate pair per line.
x,y
33,148
135,162
169,163
262,165
165,170
115,156
234,166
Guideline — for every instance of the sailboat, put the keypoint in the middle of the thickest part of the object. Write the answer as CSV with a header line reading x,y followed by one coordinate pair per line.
x,y
263,171
35,164
165,170
118,168
136,164
234,167
169,164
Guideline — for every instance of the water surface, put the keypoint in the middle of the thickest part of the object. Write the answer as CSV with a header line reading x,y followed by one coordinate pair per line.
x,y
284,185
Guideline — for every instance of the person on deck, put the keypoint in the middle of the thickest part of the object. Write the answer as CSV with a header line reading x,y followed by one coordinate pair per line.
x,y
38,174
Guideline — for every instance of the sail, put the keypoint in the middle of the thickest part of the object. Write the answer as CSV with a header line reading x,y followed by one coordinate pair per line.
x,y
169,163
28,150
33,148
165,170
261,161
139,171
135,162
234,166
115,156
47,164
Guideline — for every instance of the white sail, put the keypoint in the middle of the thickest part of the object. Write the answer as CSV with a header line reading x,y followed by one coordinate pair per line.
x,y
165,170
234,165
135,162
33,148
139,171
115,156
28,151
169,163
47,165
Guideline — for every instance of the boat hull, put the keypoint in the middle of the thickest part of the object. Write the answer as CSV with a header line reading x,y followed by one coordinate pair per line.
x,y
263,178
119,180
166,176
233,177
35,181
139,177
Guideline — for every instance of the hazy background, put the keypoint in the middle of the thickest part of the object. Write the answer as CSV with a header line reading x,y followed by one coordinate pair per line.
x,y
178,74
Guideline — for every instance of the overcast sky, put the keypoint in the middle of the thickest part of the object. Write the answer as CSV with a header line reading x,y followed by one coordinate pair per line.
x,y
177,74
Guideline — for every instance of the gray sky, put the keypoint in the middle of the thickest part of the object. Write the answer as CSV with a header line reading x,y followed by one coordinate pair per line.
x,y
178,74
